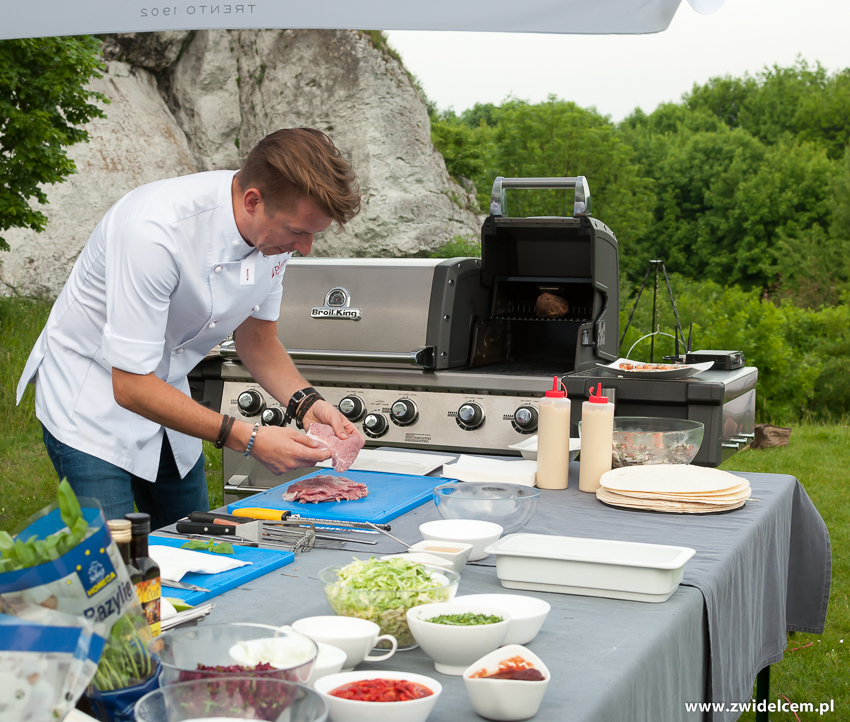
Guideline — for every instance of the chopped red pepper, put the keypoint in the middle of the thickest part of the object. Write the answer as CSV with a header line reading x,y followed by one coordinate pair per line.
x,y
514,668
382,690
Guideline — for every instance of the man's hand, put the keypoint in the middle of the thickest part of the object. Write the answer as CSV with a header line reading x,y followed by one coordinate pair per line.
x,y
281,450
324,413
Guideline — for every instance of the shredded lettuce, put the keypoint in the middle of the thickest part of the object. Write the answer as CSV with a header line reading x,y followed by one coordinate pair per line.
x,y
382,590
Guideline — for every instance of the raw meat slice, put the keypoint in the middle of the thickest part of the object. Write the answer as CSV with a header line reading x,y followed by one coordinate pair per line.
x,y
343,451
325,488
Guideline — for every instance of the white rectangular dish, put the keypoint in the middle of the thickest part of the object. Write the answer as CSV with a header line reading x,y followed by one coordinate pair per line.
x,y
589,567
395,462
528,448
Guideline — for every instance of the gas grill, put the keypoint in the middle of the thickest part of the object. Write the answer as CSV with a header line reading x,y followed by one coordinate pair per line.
x,y
449,354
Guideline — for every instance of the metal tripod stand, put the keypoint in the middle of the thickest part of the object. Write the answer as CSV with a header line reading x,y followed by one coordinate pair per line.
x,y
653,266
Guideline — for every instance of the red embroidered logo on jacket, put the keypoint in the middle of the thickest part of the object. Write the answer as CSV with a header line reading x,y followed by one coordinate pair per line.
x,y
278,267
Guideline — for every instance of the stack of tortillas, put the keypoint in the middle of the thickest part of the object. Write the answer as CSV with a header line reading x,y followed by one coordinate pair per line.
x,y
674,488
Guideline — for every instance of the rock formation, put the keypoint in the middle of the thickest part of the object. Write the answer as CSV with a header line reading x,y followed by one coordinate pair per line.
x,y
192,101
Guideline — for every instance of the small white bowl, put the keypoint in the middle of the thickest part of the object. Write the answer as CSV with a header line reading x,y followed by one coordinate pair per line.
x,y
527,613
468,531
455,552
349,710
506,700
454,648
423,558
330,660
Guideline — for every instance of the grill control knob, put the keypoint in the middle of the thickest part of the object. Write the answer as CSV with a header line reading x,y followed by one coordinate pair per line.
x,y
525,419
251,402
273,416
352,408
470,416
375,425
404,412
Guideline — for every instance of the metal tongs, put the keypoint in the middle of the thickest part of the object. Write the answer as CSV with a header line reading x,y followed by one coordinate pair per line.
x,y
296,534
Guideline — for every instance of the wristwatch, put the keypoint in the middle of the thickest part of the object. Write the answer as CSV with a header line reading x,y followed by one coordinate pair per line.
x,y
295,400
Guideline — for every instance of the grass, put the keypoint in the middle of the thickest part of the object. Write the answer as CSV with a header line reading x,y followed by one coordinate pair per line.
x,y
814,668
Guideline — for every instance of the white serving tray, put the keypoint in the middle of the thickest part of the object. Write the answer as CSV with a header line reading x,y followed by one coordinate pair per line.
x,y
395,462
589,567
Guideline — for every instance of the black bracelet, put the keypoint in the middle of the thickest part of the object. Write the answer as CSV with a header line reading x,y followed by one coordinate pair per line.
x,y
305,407
226,425
297,398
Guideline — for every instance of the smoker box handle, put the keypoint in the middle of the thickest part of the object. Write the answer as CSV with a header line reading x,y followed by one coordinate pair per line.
x,y
239,485
581,206
422,356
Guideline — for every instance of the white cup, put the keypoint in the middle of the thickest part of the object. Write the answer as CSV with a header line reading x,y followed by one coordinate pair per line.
x,y
356,637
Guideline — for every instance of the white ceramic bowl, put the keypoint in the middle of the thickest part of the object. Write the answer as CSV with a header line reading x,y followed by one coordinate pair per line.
x,y
424,558
527,613
455,552
506,700
454,648
330,660
356,637
468,531
349,710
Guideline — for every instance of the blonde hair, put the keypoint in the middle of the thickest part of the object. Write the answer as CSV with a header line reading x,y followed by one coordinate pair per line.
x,y
292,163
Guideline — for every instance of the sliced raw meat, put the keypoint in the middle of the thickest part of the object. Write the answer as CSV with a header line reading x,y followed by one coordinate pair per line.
x,y
343,451
325,488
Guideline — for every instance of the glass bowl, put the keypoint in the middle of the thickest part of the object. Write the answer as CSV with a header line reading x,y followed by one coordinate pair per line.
x,y
235,697
508,505
647,440
387,607
228,650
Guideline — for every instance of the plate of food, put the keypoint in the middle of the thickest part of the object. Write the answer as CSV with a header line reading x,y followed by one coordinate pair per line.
x,y
627,367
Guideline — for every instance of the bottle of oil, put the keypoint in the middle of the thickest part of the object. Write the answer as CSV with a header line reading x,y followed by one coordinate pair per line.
x,y
120,531
148,587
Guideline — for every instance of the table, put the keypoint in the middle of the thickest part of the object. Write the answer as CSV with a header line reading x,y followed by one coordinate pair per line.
x,y
758,572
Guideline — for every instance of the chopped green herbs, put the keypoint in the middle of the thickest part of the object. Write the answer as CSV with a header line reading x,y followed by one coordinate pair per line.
x,y
464,620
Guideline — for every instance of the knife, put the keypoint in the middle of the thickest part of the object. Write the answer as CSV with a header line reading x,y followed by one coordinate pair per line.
x,y
274,515
181,585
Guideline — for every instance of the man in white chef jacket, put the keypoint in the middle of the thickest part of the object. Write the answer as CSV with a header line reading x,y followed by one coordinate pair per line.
x,y
170,271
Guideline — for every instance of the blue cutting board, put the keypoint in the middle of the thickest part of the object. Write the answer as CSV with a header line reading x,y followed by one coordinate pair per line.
x,y
390,496
262,561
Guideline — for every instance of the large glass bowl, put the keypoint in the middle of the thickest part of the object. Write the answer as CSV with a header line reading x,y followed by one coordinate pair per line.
x,y
642,440
387,608
220,649
234,697
508,505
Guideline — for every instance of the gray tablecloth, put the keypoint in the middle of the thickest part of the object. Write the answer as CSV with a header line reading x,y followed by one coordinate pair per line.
x,y
758,571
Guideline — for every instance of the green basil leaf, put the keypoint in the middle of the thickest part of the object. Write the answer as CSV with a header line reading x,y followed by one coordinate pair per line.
x,y
223,548
195,545
69,507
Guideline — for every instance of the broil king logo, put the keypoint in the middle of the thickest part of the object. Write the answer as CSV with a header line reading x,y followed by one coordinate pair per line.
x,y
337,305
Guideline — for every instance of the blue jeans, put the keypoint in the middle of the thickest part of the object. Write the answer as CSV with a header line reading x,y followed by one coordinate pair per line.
x,y
169,499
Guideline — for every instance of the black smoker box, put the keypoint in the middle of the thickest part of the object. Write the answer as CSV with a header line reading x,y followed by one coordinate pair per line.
x,y
449,354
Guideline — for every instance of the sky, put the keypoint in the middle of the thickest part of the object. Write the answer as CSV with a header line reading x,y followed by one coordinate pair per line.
x,y
618,73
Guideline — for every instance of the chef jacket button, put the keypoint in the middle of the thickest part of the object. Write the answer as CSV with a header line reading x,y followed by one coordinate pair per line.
x,y
218,269
180,350
212,324
236,241
255,309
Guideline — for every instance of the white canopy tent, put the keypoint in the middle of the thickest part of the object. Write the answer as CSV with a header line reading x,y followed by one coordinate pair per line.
x,y
43,18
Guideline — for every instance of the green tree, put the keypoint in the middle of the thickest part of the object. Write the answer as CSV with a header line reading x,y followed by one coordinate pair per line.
x,y
44,104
